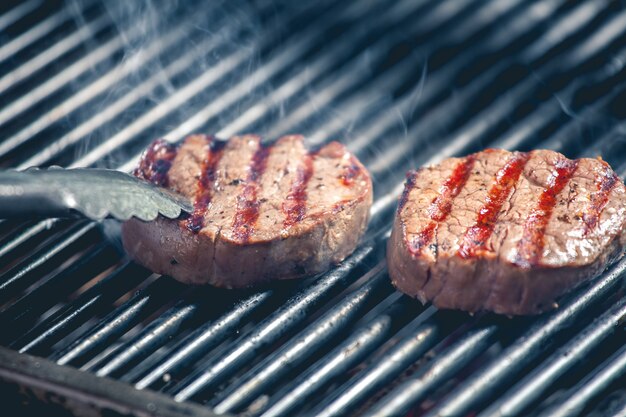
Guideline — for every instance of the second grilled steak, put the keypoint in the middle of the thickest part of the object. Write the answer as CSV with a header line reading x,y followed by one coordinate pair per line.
x,y
507,232
261,212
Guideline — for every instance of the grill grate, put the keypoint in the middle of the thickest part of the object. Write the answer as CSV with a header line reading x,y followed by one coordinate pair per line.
x,y
85,83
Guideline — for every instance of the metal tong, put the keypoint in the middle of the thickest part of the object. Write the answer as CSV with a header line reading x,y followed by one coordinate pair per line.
x,y
92,193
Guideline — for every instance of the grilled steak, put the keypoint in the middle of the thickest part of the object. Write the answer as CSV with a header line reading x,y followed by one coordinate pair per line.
x,y
262,212
506,232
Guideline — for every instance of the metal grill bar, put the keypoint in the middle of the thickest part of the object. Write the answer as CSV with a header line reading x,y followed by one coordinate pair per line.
x,y
198,343
125,317
282,321
27,309
65,384
149,339
250,118
274,65
442,116
420,392
570,56
440,19
468,95
24,235
19,278
529,389
484,43
433,121
53,245
413,342
224,67
349,77
95,88
596,112
18,12
189,126
68,74
304,344
176,67
36,32
608,141
39,339
347,355
497,374
500,44
543,124
452,360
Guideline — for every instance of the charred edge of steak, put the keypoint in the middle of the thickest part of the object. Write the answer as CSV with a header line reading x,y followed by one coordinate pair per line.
x,y
408,186
156,162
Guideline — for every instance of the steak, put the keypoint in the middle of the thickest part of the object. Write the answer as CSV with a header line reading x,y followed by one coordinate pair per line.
x,y
505,232
261,212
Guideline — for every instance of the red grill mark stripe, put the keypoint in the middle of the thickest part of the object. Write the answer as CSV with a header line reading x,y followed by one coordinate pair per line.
x,y
156,162
441,205
506,178
294,206
604,183
204,192
530,246
247,211
423,238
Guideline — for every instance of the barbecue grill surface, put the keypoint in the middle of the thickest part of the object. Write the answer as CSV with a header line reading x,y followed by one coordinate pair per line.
x,y
402,84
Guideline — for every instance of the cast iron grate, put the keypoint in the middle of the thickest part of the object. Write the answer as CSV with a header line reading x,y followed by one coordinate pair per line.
x,y
407,83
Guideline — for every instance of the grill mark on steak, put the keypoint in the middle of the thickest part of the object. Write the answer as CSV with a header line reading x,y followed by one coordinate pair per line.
x,y
604,183
294,206
204,191
156,162
350,171
247,211
530,246
506,179
441,205
409,184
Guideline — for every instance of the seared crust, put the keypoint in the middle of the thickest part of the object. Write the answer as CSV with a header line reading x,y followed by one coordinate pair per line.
x,y
559,223
245,238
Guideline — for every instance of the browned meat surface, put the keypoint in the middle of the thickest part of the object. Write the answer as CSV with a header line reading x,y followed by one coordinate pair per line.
x,y
262,212
506,232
